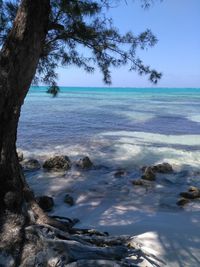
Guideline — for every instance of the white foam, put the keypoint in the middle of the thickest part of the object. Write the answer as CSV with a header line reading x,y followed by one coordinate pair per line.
x,y
151,138
136,116
139,148
195,118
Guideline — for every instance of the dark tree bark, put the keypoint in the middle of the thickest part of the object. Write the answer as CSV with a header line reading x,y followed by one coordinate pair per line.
x,y
18,62
19,58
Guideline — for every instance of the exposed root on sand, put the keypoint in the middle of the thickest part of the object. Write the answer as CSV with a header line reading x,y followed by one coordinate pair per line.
x,y
44,245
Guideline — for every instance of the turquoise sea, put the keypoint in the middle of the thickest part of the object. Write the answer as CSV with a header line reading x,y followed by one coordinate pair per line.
x,y
115,125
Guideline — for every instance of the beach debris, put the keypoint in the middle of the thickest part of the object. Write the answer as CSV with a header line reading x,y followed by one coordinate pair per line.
x,y
45,202
31,165
149,174
120,173
182,201
69,200
163,168
57,163
84,163
20,155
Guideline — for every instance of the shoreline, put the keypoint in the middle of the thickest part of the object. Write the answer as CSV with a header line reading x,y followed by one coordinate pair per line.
x,y
111,203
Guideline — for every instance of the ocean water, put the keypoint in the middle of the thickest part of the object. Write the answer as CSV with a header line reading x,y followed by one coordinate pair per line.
x,y
114,126
121,128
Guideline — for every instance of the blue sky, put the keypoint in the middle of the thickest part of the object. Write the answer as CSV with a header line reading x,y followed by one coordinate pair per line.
x,y
176,24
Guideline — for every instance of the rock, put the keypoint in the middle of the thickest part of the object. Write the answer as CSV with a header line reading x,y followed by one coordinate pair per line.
x,y
120,173
69,200
193,192
149,174
45,202
57,163
163,168
138,182
31,165
84,163
182,201
193,189
190,195
20,155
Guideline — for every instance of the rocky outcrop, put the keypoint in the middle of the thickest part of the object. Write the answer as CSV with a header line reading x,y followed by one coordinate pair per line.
x,y
163,168
45,202
186,197
31,165
182,201
192,193
57,163
149,174
84,163
193,189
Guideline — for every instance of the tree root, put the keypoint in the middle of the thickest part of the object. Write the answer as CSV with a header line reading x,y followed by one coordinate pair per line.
x,y
96,263
43,241
48,246
70,222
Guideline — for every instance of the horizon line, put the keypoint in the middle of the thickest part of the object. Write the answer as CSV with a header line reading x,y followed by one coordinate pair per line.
x,y
119,87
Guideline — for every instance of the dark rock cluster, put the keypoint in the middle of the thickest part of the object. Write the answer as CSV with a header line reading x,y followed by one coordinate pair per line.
x,y
84,163
186,197
149,172
57,163
45,202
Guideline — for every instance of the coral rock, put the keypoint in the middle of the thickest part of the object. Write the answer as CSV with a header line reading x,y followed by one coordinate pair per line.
x,y
149,174
84,163
57,163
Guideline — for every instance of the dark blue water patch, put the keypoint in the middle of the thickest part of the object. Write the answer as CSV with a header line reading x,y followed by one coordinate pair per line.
x,y
168,125
43,129
57,127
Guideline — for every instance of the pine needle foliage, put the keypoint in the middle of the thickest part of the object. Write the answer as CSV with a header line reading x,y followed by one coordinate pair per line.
x,y
80,33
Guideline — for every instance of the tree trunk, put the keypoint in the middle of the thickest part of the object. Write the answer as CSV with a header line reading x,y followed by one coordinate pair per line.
x,y
19,58
18,62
